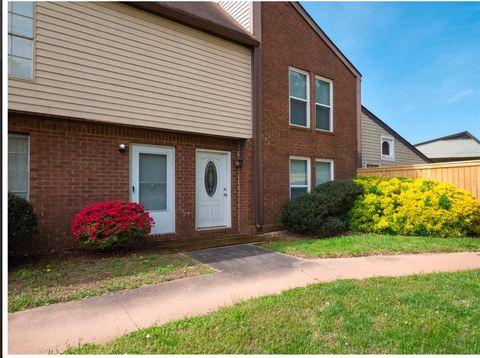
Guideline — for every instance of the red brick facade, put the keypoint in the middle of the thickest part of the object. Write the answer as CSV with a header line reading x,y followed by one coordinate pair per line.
x,y
289,41
76,163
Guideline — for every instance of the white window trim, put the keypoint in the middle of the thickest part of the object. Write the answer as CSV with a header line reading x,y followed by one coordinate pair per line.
x,y
332,168
28,159
299,99
319,104
309,175
391,140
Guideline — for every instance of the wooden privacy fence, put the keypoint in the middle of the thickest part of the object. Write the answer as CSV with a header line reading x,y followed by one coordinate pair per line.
x,y
465,175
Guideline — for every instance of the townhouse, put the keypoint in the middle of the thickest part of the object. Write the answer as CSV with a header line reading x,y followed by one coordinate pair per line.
x,y
211,115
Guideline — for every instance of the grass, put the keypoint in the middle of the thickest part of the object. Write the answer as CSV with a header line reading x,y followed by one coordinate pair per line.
x,y
371,244
48,282
422,314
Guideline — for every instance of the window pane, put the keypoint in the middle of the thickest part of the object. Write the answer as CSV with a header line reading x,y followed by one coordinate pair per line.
x,y
385,148
22,26
153,181
298,112
323,172
322,92
322,118
298,172
9,44
20,67
10,6
298,85
21,47
18,173
17,145
296,192
9,23
23,8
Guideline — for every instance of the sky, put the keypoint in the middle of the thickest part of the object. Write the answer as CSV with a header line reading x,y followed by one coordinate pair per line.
x,y
420,61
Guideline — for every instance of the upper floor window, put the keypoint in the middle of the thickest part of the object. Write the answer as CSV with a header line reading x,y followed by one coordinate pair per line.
x,y
18,164
323,104
20,39
387,148
299,94
299,176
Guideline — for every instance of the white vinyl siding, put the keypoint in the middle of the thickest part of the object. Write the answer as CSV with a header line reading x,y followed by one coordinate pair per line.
x,y
323,171
18,165
371,147
110,62
299,176
323,104
299,94
241,11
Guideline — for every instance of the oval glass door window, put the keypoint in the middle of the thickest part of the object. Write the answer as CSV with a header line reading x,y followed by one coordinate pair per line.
x,y
210,178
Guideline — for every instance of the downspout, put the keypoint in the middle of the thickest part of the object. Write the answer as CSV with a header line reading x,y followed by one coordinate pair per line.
x,y
257,116
359,122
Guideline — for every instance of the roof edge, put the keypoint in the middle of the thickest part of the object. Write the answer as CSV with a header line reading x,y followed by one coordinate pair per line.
x,y
395,134
467,133
198,23
301,10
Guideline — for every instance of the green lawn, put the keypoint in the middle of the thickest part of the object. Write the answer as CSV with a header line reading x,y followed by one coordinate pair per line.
x,y
371,244
49,282
422,314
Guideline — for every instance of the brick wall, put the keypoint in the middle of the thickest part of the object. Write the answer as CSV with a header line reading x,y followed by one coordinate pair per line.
x,y
287,40
76,163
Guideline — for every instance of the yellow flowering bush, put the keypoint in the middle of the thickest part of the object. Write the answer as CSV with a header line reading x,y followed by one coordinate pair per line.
x,y
420,207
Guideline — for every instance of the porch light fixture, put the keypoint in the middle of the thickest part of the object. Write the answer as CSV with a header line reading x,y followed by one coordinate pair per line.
x,y
238,162
121,148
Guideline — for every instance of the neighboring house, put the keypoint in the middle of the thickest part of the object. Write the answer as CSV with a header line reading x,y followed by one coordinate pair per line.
x,y
211,115
382,146
455,147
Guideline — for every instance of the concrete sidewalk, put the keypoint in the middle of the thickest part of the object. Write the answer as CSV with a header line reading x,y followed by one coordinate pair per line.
x,y
246,271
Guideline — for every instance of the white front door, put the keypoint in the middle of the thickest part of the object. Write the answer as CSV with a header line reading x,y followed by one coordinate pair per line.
x,y
213,207
153,184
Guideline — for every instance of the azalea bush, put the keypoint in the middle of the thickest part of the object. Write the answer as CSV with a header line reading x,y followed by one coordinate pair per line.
x,y
106,224
420,207
323,211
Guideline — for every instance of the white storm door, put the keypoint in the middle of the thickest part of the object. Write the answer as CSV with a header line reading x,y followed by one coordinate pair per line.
x,y
213,189
153,184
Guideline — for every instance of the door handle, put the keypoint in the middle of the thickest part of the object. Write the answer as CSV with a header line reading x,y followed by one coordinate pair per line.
x,y
225,194
133,189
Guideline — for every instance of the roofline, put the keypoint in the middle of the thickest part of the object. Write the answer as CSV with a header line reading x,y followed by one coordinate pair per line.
x,y
395,134
191,20
467,133
301,10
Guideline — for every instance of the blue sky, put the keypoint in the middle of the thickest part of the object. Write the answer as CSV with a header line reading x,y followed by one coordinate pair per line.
x,y
420,61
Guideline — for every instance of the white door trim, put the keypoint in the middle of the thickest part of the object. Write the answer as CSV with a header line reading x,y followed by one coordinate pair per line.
x,y
135,150
228,186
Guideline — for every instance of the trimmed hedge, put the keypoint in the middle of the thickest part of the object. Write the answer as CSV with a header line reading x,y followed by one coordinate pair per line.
x,y
419,207
22,223
323,211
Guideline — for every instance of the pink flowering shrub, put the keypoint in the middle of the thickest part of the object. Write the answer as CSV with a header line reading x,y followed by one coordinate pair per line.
x,y
109,223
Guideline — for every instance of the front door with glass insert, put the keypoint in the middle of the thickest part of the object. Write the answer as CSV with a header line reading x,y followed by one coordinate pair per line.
x,y
213,207
153,184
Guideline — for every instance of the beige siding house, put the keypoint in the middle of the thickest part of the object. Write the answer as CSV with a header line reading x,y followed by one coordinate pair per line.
x,y
110,62
382,146
240,11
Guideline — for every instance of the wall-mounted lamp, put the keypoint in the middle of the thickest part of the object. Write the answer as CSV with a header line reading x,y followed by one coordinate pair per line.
x,y
238,162
121,148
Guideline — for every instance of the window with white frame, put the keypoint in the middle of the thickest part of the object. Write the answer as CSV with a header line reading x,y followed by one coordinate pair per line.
x,y
18,164
299,176
20,39
299,94
323,171
323,104
387,147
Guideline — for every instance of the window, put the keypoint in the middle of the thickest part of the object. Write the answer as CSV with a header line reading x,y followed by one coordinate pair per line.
x,y
299,103
323,171
323,104
372,165
387,148
20,39
18,163
299,176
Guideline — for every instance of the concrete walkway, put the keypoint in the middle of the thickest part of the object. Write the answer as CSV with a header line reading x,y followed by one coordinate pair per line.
x,y
245,271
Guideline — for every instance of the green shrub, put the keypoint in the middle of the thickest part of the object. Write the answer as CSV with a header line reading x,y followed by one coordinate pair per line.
x,y
419,207
323,211
21,223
